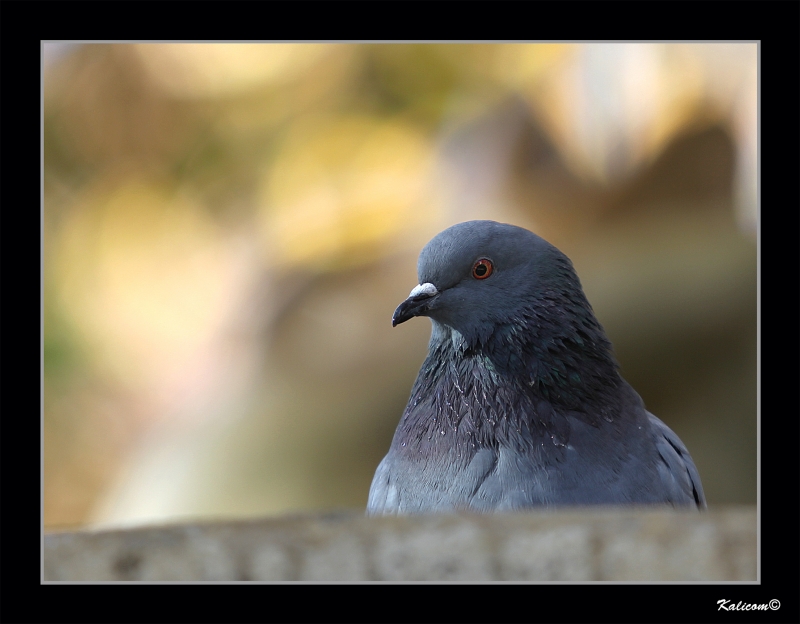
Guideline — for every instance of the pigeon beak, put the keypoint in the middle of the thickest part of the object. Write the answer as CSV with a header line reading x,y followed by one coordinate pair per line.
x,y
418,302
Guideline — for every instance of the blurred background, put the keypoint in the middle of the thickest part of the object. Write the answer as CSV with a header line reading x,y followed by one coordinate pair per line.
x,y
229,227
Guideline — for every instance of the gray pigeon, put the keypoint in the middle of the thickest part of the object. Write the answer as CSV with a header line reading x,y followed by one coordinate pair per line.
x,y
519,403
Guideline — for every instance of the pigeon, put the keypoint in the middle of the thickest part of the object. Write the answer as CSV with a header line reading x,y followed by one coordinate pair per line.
x,y
520,403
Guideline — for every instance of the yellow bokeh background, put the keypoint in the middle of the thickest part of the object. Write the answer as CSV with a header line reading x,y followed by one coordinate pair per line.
x,y
228,228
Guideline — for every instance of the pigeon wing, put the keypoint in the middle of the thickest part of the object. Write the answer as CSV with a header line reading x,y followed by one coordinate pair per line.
x,y
677,470
382,493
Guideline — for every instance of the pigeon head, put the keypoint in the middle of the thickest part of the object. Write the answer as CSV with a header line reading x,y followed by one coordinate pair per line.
x,y
481,277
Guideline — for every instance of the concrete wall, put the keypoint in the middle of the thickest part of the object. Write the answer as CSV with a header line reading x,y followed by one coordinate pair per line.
x,y
605,545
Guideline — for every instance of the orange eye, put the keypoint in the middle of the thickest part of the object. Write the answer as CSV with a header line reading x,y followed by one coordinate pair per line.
x,y
482,269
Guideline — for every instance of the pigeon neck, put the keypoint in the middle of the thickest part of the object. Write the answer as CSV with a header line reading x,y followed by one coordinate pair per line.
x,y
563,356
508,390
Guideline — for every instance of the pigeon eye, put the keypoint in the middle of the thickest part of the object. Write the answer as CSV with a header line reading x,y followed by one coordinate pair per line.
x,y
482,269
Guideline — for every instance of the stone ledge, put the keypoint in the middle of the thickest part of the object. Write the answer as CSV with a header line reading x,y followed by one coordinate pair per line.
x,y
592,545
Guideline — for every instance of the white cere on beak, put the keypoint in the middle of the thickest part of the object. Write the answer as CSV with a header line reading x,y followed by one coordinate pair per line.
x,y
424,289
